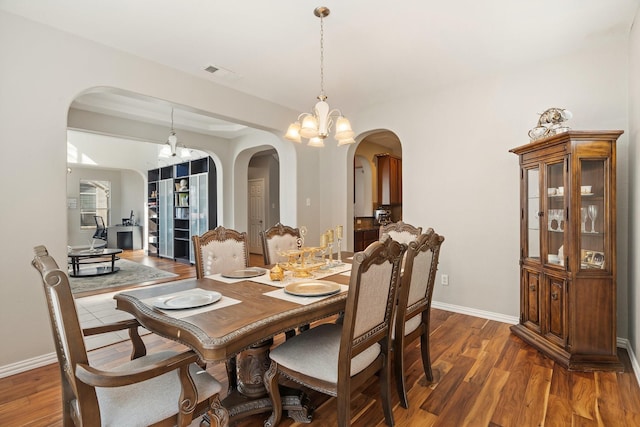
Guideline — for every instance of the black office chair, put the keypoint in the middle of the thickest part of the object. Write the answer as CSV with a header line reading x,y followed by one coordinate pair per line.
x,y
101,230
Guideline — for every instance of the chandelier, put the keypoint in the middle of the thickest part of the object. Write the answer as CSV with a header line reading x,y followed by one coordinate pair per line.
x,y
316,127
172,142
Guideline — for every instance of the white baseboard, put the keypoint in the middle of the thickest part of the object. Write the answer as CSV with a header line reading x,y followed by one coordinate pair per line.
x,y
513,320
26,365
626,344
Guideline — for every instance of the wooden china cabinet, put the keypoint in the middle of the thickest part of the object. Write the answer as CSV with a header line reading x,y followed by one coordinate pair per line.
x,y
568,248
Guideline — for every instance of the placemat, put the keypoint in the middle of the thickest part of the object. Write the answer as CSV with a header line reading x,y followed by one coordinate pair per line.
x,y
281,294
179,314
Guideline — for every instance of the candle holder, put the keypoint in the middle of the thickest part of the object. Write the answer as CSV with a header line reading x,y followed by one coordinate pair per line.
x,y
327,244
339,248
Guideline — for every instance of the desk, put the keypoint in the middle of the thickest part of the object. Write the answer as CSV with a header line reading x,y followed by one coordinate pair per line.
x,y
93,256
124,236
218,334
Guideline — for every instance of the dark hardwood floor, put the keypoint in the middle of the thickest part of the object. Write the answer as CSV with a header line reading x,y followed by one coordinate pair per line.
x,y
483,376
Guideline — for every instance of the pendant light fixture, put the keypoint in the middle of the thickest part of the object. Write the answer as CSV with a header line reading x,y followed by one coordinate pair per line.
x,y
171,148
316,126
172,140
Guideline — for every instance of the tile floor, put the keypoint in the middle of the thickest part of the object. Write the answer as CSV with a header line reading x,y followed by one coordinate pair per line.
x,y
96,310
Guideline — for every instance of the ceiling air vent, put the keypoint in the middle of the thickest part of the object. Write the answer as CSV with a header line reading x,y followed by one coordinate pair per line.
x,y
222,73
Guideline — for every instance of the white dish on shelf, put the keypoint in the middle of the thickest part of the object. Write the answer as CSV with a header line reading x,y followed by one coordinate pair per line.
x,y
197,298
586,194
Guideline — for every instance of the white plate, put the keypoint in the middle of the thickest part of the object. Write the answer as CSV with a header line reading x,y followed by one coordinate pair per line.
x,y
188,300
245,273
312,288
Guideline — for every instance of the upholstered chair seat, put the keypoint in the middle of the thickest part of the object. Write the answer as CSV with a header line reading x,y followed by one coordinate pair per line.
x,y
315,354
150,401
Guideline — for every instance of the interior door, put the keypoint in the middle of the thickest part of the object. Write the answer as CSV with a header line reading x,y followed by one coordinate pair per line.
x,y
256,214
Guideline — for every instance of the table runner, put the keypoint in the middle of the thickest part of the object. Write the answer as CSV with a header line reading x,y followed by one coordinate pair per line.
x,y
317,275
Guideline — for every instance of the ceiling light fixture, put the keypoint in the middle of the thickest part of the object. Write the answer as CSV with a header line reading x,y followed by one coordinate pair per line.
x,y
316,126
172,140
172,145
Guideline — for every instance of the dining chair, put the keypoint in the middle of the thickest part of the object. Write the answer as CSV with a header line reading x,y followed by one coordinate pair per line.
x,y
336,359
400,231
414,305
278,238
164,388
220,250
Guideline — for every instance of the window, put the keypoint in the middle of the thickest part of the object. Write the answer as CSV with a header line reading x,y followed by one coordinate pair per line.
x,y
95,199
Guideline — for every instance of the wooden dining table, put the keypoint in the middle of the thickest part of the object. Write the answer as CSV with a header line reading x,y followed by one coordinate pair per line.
x,y
241,324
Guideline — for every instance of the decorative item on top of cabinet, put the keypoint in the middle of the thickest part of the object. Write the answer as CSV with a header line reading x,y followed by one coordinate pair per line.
x,y
551,122
389,179
568,268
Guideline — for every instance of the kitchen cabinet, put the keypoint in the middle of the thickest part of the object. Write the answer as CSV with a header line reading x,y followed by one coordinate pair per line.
x,y
389,179
364,237
568,248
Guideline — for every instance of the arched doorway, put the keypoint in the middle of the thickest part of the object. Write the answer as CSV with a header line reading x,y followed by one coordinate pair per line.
x,y
373,183
263,194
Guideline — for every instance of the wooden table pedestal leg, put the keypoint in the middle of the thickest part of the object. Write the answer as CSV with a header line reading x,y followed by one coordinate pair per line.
x,y
251,396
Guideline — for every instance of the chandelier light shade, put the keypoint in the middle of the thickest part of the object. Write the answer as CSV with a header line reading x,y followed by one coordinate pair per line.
x,y
316,126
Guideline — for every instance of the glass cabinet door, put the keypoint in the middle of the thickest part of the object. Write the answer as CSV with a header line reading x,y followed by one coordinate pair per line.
x,y
533,214
593,224
165,211
556,216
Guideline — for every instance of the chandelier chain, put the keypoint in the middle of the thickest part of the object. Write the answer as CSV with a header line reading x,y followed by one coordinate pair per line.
x,y
322,96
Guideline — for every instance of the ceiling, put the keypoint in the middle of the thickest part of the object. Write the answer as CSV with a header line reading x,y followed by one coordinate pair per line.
x,y
373,49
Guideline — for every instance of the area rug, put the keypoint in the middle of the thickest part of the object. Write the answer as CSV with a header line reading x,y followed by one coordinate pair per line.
x,y
130,273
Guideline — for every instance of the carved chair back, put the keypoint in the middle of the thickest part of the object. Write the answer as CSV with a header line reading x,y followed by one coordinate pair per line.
x,y
278,238
68,337
401,231
220,250
373,286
